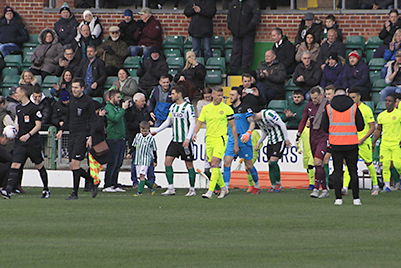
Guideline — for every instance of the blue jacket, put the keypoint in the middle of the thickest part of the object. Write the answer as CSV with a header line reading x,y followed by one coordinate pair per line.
x,y
159,106
331,74
354,76
390,55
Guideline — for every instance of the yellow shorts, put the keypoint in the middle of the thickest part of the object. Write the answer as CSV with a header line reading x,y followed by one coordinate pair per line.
x,y
389,152
365,151
215,147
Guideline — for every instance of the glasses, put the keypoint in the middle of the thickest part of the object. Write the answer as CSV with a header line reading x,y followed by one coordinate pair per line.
x,y
114,32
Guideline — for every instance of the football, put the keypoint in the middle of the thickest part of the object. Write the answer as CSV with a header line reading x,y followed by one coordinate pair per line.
x,y
10,132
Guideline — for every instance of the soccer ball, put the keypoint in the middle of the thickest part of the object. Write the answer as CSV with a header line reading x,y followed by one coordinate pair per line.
x,y
10,132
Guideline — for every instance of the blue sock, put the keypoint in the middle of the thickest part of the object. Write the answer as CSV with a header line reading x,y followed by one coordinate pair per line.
x,y
254,175
227,175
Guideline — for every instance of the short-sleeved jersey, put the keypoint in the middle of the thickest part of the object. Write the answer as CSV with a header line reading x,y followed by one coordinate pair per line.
x,y
181,115
367,115
391,127
27,115
269,124
216,118
144,148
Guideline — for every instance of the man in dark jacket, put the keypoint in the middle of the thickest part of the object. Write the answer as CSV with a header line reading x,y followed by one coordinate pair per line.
x,y
160,100
284,49
348,150
242,20
70,61
44,104
200,28
251,97
150,71
128,27
66,26
332,44
149,34
93,71
84,40
271,76
308,25
355,74
307,74
12,32
60,111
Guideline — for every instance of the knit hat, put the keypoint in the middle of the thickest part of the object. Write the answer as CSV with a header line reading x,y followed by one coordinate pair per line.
x,y
8,9
65,7
355,54
154,50
333,56
128,12
86,13
64,95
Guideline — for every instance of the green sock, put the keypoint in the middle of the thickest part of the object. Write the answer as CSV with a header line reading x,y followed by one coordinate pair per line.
x,y
170,175
394,175
140,186
274,172
150,185
327,172
192,176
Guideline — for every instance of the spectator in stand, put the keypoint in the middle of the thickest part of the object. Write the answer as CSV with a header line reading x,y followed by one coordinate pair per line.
x,y
95,27
386,34
309,44
149,34
307,74
331,23
85,39
308,25
12,103
63,85
284,50
12,32
355,75
200,28
193,71
293,114
160,100
250,97
27,78
242,13
271,76
329,46
60,110
126,85
151,70
113,51
206,99
393,78
128,27
46,56
93,72
331,71
44,104
393,47
66,26
70,60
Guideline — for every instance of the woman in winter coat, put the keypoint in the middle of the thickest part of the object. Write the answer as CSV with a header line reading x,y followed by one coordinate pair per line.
x,y
63,85
309,44
27,78
126,85
193,71
46,56
94,26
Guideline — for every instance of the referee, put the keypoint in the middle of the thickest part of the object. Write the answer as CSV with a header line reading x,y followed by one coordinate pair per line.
x,y
342,119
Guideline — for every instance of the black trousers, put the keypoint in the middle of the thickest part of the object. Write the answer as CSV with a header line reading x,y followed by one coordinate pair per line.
x,y
241,57
351,160
5,164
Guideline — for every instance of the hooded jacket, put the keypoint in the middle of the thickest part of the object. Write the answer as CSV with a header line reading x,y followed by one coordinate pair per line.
x,y
66,29
149,73
13,31
46,56
342,103
201,24
243,17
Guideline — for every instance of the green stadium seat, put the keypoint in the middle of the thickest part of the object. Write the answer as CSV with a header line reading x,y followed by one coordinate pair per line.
x,y
374,75
376,64
133,62
172,72
49,81
373,42
371,104
173,42
172,52
278,105
380,107
218,63
229,43
9,71
355,41
227,55
98,99
13,60
213,77
188,43
369,54
290,86
201,60
110,81
132,72
5,91
216,52
47,93
33,41
175,62
378,85
218,42
10,81
27,53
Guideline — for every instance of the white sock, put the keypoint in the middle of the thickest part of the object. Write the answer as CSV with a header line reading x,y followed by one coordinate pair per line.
x,y
192,188
387,184
171,187
257,185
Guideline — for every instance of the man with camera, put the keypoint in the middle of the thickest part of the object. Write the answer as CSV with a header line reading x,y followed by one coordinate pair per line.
x,y
393,78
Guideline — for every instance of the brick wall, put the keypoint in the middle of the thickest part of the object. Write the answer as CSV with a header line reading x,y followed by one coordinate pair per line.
x,y
37,18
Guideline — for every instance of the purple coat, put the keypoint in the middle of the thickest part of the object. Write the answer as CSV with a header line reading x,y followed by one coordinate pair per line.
x,y
331,74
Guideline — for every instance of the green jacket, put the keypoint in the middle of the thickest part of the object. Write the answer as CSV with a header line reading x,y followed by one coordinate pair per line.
x,y
297,109
115,121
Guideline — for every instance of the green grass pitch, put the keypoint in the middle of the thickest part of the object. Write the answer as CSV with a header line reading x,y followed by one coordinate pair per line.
x,y
287,229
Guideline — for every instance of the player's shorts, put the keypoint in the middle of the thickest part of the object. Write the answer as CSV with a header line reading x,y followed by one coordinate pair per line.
x,y
389,152
77,147
175,149
275,150
365,151
215,147
32,150
141,170
318,147
245,149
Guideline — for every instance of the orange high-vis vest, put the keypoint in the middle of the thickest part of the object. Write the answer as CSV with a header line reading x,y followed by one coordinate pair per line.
x,y
342,128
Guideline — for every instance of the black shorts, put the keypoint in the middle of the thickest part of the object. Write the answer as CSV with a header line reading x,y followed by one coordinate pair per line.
x,y
32,150
276,149
175,149
77,147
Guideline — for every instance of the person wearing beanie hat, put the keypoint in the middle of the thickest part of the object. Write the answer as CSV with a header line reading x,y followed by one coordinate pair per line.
x,y
128,28
332,44
96,29
66,26
307,74
355,75
309,25
331,71
12,32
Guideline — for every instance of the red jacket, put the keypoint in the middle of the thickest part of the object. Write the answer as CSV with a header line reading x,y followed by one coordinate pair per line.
x,y
151,34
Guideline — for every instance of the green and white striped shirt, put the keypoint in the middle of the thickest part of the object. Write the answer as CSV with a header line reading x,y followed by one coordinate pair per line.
x,y
273,127
182,117
144,148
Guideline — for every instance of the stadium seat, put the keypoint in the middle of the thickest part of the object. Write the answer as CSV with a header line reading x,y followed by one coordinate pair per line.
x,y
229,43
172,72
375,97
373,43
213,77
370,104
174,41
132,72
109,82
380,107
369,54
290,86
379,84
33,41
218,42
13,61
47,92
227,55
376,64
9,71
172,52
234,80
10,80
216,52
27,53
278,105
175,62
201,60
216,63
50,80
355,41
374,75
133,62
188,43
98,99
5,91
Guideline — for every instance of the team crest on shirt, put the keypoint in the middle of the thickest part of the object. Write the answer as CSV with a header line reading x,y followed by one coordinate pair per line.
x,y
39,114
221,112
394,118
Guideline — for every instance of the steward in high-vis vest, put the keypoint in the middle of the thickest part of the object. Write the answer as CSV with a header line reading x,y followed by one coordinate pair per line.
x,y
342,120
